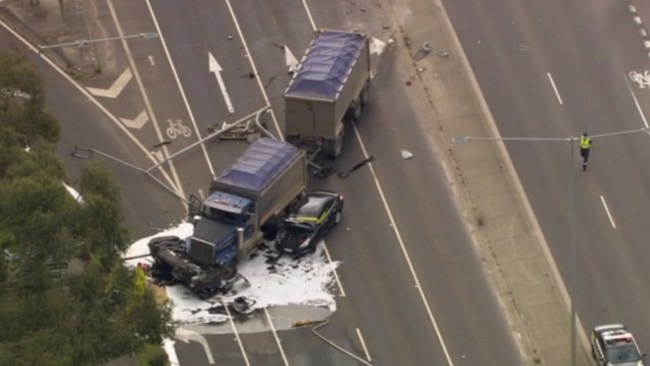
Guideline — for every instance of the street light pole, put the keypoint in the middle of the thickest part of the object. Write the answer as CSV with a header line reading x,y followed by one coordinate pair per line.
x,y
572,245
85,42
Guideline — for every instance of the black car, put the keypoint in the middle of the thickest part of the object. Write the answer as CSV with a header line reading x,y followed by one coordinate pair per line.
x,y
613,345
305,228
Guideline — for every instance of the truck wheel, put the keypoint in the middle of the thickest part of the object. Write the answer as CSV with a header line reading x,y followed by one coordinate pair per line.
x,y
364,97
228,272
332,148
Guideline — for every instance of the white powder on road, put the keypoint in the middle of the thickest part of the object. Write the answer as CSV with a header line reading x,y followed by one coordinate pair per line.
x,y
307,281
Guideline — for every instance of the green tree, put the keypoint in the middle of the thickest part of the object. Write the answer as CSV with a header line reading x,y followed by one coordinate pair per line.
x,y
51,316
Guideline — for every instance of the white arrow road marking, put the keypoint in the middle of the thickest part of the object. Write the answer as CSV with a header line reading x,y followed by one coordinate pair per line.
x,y
290,60
116,88
216,69
151,60
188,335
137,122
377,46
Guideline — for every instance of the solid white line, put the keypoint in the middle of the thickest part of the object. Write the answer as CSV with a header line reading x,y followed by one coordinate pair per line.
x,y
234,329
636,101
336,276
179,187
180,87
363,344
557,94
93,100
611,220
257,77
404,251
275,335
311,19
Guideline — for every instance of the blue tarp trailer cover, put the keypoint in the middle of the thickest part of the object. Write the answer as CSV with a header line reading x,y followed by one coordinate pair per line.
x,y
264,160
326,65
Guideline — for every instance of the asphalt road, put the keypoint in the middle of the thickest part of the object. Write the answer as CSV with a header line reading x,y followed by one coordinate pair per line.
x,y
556,69
413,284
382,299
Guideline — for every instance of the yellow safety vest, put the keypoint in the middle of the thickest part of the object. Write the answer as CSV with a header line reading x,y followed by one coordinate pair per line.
x,y
585,142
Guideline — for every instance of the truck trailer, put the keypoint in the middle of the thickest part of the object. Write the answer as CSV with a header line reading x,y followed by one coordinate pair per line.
x,y
330,86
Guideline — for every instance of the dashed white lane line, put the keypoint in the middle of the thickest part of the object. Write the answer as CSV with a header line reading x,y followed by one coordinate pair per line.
x,y
557,94
363,345
407,257
611,219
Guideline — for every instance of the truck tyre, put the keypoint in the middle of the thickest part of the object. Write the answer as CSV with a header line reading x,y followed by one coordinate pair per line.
x,y
228,272
332,148
364,96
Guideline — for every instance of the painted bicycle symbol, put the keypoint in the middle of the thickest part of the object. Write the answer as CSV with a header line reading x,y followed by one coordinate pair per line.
x,y
177,128
642,79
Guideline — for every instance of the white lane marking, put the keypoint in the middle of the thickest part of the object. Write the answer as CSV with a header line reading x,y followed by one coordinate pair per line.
x,y
201,194
215,68
91,98
611,219
336,276
557,94
239,342
116,88
290,59
136,123
404,251
363,345
180,87
636,102
646,44
189,335
643,32
637,20
257,77
179,187
152,62
632,8
275,335
311,19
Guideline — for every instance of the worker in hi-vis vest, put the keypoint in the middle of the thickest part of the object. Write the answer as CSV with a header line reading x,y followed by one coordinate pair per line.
x,y
585,147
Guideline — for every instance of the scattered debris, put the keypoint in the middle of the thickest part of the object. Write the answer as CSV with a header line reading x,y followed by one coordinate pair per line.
x,y
443,53
230,38
346,173
406,154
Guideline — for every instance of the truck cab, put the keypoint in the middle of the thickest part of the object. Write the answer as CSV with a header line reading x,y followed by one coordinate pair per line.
x,y
215,241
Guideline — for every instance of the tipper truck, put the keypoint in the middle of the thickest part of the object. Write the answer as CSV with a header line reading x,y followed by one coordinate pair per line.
x,y
330,85
246,202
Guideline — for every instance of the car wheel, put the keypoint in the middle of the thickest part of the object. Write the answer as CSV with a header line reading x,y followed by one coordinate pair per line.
x,y
337,218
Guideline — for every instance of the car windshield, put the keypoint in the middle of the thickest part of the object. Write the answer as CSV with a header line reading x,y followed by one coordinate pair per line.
x,y
296,229
623,353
